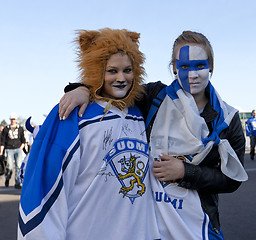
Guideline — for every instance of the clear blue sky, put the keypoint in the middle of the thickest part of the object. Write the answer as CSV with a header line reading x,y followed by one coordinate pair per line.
x,y
37,56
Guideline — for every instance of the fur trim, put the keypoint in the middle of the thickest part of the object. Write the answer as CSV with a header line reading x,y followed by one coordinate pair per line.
x,y
96,47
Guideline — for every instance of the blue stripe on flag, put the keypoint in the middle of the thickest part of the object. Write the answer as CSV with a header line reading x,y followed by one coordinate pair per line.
x,y
38,218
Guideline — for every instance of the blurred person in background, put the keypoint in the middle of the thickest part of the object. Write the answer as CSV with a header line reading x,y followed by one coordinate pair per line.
x,y
12,141
2,160
250,127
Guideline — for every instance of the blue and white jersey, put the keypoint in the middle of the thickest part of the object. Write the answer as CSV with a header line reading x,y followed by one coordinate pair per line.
x,y
179,212
88,178
250,126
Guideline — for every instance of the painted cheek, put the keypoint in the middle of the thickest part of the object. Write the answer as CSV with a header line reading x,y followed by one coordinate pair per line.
x,y
205,74
183,73
184,80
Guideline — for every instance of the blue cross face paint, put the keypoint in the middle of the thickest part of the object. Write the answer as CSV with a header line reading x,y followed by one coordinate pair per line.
x,y
192,68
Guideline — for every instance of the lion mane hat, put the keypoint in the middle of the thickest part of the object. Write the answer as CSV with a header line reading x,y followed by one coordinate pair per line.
x,y
95,48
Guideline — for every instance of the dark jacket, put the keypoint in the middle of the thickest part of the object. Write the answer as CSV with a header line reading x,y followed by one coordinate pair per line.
x,y
207,177
12,141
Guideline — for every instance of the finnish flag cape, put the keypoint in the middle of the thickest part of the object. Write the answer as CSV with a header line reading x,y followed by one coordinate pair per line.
x,y
185,132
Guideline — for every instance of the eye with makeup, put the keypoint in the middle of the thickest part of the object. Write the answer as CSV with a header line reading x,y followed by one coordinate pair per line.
x,y
111,70
200,66
185,67
128,70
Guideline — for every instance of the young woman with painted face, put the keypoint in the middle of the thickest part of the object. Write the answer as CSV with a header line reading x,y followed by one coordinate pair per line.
x,y
88,177
194,125
197,140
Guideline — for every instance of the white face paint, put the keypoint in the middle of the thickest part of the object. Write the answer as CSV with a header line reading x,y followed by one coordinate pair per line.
x,y
118,77
192,68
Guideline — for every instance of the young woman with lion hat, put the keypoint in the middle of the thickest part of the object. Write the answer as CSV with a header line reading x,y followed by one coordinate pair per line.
x,y
88,177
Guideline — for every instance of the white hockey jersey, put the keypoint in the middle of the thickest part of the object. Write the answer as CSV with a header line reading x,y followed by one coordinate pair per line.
x,y
88,178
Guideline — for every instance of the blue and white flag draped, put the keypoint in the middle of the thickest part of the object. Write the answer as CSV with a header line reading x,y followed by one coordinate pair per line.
x,y
180,130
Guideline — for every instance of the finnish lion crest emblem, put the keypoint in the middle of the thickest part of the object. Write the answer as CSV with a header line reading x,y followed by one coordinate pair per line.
x,y
129,161
135,176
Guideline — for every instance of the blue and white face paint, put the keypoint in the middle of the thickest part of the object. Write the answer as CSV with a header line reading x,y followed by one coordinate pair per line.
x,y
192,68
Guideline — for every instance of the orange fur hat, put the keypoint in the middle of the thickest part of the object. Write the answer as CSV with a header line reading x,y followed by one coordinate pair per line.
x,y
96,47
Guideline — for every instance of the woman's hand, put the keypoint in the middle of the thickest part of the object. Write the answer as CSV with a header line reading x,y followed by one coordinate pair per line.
x,y
170,168
70,100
